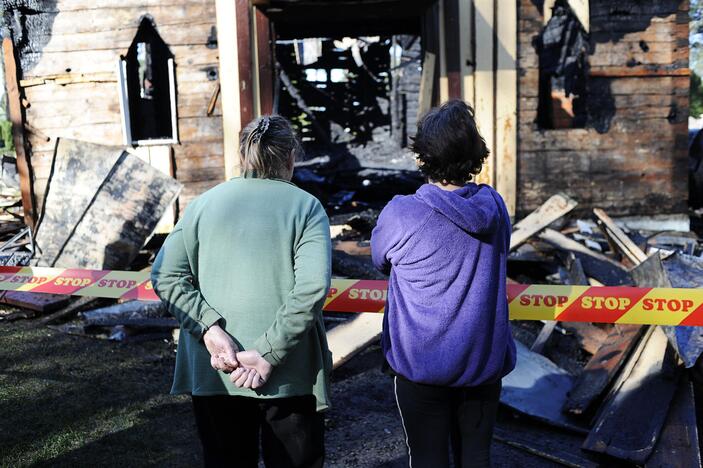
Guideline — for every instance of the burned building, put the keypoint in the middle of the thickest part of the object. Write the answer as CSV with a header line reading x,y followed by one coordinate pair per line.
x,y
587,98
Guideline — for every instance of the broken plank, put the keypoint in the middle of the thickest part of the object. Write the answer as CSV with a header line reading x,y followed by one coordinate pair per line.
x,y
623,243
542,447
640,400
543,337
678,443
651,274
595,265
561,241
426,84
576,276
16,116
348,339
538,388
589,336
71,309
37,302
139,323
127,310
557,206
352,247
602,368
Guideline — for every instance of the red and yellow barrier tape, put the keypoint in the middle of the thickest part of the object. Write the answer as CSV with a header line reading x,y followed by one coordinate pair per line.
x,y
652,306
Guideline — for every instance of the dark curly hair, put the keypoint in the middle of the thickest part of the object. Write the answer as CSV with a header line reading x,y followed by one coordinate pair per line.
x,y
448,145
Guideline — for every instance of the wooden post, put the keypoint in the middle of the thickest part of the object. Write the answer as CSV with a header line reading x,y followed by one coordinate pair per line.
x,y
229,79
426,84
244,49
264,62
505,149
467,58
484,17
452,49
442,59
17,118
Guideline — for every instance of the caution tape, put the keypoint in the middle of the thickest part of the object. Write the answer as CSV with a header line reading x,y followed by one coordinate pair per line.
x,y
650,306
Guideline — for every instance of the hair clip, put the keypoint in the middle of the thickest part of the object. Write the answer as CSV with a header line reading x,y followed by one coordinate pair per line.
x,y
261,128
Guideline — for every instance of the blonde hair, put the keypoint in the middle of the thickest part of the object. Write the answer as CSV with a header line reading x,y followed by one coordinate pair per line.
x,y
266,146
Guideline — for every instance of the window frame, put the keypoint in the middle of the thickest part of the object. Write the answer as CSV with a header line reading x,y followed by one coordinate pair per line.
x,y
124,107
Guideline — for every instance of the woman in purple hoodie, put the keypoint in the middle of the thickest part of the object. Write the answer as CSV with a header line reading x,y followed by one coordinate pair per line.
x,y
446,336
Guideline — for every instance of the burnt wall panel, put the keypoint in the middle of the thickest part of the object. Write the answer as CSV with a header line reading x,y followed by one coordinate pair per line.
x,y
631,156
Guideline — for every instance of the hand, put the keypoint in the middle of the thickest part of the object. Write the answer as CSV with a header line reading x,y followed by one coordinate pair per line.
x,y
246,378
222,349
251,361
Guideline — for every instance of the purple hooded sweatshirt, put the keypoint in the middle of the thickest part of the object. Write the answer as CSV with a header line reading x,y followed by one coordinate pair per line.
x,y
446,320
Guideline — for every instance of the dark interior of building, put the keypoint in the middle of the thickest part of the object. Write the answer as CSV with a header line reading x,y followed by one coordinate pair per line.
x,y
348,77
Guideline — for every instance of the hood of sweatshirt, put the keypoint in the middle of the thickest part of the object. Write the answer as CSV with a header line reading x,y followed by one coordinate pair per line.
x,y
473,208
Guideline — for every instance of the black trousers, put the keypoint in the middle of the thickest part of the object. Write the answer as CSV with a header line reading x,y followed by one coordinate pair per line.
x,y
291,430
435,418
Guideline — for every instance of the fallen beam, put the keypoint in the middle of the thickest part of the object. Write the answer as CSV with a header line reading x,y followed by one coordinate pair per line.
x,y
596,265
640,401
602,368
551,210
350,338
618,238
537,445
678,443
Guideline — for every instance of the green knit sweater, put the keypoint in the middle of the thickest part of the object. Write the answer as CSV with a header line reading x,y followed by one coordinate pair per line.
x,y
254,256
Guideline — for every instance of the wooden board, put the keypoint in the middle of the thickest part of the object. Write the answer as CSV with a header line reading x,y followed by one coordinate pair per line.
x,y
352,247
602,368
15,115
538,388
43,303
543,336
618,238
506,107
426,84
589,336
678,443
540,442
558,239
79,171
124,213
229,79
554,208
466,50
121,199
349,338
641,401
484,83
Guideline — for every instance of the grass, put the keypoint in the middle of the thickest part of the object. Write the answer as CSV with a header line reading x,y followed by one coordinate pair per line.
x,y
76,401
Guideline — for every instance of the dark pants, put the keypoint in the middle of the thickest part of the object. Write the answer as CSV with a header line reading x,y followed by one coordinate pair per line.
x,y
292,431
435,417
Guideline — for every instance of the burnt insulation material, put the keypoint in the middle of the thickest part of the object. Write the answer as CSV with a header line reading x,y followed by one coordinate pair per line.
x,y
563,49
30,22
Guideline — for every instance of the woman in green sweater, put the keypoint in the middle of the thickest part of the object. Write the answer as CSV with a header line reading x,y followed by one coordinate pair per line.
x,y
246,272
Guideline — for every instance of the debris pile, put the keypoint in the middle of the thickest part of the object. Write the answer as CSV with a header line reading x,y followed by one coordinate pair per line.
x,y
612,394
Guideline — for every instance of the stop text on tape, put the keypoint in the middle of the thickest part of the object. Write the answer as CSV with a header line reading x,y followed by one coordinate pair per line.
x,y
654,306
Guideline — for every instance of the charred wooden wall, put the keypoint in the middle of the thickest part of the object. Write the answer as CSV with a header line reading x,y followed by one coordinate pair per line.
x,y
82,40
631,158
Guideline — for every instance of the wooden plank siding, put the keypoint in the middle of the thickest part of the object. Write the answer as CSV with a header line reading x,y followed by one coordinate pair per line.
x,y
639,165
88,37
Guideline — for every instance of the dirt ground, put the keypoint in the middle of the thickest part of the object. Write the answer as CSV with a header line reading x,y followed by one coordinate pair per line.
x,y
77,401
